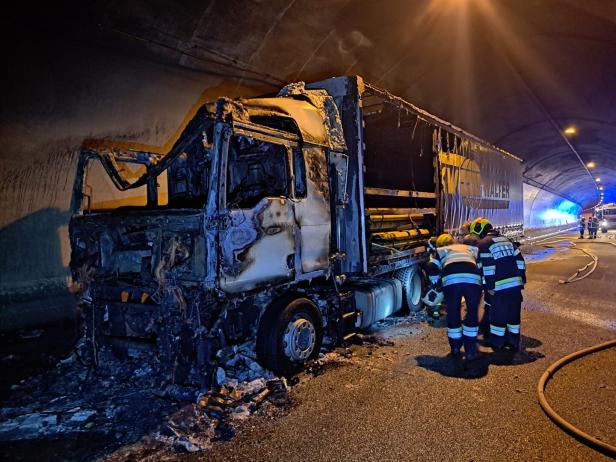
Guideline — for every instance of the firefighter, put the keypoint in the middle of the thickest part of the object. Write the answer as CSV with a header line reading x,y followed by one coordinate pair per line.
x,y
460,278
434,296
466,236
590,227
504,276
582,226
593,224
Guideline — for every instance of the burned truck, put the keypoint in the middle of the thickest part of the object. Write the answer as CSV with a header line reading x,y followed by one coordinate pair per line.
x,y
287,221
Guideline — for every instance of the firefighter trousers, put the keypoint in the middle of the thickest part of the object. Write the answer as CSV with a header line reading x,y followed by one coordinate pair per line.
x,y
459,333
484,324
505,316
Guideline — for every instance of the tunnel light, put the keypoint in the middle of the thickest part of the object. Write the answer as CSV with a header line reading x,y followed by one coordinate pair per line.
x,y
571,130
601,188
591,164
597,179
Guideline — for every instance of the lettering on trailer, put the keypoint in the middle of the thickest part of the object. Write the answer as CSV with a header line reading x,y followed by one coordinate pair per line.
x,y
462,177
495,190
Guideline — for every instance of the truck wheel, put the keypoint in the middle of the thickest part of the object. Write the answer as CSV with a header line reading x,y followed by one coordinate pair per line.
x,y
412,287
604,230
290,333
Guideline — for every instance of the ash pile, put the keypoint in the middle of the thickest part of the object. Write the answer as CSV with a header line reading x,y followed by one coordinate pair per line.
x,y
126,408
82,410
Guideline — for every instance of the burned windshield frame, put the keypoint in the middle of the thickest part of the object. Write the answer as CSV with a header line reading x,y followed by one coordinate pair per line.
x,y
284,143
256,169
193,167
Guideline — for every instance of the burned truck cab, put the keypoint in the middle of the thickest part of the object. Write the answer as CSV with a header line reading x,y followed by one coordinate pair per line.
x,y
225,239
277,155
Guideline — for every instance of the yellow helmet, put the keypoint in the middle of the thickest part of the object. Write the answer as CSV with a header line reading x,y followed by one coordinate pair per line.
x,y
480,226
444,240
465,228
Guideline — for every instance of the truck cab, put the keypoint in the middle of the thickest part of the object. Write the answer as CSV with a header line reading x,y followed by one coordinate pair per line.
x,y
607,217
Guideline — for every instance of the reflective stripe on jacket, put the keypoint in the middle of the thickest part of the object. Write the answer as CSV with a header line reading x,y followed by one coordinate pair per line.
x,y
458,264
457,253
501,262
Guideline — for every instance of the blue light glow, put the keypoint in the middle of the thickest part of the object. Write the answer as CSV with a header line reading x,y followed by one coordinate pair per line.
x,y
564,212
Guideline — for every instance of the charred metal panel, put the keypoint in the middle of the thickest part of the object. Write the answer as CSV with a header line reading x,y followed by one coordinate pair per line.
x,y
346,92
313,213
258,246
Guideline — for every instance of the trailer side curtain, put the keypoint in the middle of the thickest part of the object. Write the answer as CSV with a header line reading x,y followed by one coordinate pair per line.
x,y
478,181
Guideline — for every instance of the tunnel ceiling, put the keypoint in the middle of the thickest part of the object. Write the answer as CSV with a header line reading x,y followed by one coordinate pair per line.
x,y
516,73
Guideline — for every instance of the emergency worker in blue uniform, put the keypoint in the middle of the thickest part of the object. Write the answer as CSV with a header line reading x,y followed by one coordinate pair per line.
x,y
504,276
592,228
460,278
582,226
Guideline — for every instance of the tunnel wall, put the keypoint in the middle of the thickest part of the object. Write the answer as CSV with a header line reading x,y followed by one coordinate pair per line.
x,y
543,209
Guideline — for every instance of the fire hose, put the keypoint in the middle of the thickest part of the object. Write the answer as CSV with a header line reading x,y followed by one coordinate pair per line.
x,y
576,276
584,437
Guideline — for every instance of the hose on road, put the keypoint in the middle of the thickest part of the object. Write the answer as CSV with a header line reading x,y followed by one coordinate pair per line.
x,y
584,437
576,276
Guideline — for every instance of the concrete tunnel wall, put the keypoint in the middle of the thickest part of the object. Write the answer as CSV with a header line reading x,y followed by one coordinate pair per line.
x,y
81,93
543,209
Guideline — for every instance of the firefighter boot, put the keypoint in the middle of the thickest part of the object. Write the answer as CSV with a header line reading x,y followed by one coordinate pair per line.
x,y
469,338
454,335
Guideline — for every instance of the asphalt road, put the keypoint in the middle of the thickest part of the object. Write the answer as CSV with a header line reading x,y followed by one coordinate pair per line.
x,y
411,402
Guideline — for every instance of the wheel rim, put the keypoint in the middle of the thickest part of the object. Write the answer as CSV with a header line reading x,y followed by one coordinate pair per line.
x,y
415,289
299,339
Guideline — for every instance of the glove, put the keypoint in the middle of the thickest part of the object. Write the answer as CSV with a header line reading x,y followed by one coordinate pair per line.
x,y
433,298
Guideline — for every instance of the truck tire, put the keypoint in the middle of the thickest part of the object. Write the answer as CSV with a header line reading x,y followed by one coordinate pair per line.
x,y
290,333
412,287
604,230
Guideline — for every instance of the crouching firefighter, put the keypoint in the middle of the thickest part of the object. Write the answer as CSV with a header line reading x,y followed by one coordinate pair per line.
x,y
504,275
434,296
460,278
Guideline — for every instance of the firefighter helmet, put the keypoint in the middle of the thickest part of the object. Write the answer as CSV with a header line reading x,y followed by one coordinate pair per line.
x,y
466,227
480,226
444,240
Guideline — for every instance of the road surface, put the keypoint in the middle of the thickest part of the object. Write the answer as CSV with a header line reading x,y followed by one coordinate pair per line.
x,y
410,402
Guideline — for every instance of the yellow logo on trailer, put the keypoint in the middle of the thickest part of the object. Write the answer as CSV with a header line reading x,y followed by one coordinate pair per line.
x,y
461,176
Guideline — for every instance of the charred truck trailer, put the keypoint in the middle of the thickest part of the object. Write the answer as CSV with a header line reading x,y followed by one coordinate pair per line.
x,y
284,221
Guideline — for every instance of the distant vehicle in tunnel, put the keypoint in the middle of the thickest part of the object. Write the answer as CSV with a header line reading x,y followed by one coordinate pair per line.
x,y
607,217
283,220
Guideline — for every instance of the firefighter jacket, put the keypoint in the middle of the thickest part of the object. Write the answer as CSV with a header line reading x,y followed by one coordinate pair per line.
x,y
455,264
593,223
470,239
582,223
501,262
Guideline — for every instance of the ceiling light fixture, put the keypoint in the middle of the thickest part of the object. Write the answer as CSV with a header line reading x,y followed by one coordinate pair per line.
x,y
571,130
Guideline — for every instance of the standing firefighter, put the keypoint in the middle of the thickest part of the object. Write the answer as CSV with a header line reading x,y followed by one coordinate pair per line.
x,y
504,274
460,278
582,226
593,225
